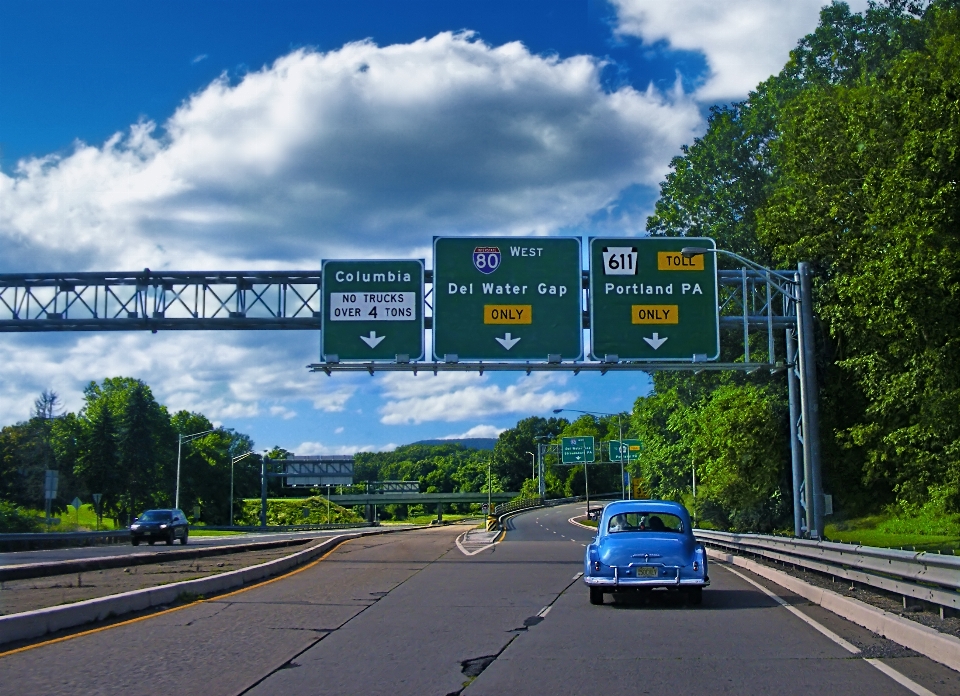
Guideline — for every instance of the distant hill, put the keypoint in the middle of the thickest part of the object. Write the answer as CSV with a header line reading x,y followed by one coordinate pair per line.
x,y
480,443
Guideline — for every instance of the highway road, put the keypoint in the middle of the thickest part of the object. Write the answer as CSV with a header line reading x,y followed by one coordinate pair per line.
x,y
411,613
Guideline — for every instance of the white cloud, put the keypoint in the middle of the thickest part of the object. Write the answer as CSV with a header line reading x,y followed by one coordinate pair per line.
x,y
477,431
365,150
306,449
744,41
199,58
338,430
463,396
224,375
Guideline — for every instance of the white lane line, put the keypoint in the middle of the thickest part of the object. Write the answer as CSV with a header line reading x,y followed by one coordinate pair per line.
x,y
543,612
577,576
901,679
846,645
582,544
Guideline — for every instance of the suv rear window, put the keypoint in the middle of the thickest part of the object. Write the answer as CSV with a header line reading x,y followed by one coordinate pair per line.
x,y
645,522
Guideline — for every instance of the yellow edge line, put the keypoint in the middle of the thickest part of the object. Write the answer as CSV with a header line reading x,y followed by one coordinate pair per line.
x,y
91,631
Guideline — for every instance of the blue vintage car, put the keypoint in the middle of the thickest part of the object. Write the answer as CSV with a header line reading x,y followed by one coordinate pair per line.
x,y
645,544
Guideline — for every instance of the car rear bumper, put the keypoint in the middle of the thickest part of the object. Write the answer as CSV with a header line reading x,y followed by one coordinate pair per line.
x,y
646,582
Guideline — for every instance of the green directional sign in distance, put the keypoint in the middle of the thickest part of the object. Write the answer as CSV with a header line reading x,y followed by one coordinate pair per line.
x,y
625,450
372,310
507,298
649,302
577,450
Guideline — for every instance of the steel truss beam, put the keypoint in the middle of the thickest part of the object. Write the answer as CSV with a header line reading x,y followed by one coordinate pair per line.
x,y
155,300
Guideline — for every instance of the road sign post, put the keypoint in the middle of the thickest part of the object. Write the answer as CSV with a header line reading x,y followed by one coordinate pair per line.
x,y
372,311
507,298
649,302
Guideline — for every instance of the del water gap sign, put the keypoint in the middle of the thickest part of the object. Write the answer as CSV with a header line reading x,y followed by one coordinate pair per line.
x,y
507,298
372,310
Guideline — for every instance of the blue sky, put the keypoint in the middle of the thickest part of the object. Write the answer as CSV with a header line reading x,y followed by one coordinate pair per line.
x,y
233,134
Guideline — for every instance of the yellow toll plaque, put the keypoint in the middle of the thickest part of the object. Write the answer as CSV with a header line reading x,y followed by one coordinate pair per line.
x,y
675,261
654,314
508,314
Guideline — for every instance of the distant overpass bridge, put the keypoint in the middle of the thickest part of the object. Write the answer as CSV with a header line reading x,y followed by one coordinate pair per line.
x,y
369,500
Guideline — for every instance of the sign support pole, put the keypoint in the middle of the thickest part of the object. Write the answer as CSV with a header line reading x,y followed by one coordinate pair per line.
x,y
263,492
810,409
796,445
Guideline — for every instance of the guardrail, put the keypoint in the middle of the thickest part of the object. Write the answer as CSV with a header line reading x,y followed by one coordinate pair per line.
x,y
38,540
924,576
50,540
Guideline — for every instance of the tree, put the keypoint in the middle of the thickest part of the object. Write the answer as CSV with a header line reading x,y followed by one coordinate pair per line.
x,y
511,461
98,464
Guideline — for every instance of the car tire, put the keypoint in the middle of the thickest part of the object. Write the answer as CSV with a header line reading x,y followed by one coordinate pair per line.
x,y
135,541
695,595
596,595
183,539
170,538
152,542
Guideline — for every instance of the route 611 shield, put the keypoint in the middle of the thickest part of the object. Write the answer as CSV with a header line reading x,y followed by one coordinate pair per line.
x,y
486,259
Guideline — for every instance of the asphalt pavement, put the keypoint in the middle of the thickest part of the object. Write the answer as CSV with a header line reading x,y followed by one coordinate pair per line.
x,y
413,613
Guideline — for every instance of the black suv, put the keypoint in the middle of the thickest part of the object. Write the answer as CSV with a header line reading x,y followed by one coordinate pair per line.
x,y
160,525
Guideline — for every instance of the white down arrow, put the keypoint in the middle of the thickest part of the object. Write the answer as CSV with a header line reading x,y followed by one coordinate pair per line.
x,y
507,341
372,340
655,341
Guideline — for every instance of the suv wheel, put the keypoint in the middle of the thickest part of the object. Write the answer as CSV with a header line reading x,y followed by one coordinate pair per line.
x,y
183,539
596,595
135,541
170,538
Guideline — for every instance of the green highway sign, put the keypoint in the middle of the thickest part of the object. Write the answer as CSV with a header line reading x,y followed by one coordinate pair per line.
x,y
625,450
649,302
577,450
507,298
372,310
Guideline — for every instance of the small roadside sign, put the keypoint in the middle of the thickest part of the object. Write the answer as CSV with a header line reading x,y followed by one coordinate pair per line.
x,y
625,450
76,503
577,450
372,311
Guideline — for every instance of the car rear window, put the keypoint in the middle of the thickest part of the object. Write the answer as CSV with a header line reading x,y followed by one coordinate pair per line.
x,y
156,516
645,522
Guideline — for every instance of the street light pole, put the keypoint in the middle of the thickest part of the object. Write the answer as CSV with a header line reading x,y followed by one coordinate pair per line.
x,y
180,440
233,461
533,464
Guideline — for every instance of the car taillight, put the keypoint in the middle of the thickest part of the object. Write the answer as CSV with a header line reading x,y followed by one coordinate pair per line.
x,y
596,565
696,566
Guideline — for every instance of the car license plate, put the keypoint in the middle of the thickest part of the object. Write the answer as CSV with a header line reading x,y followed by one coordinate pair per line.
x,y
647,572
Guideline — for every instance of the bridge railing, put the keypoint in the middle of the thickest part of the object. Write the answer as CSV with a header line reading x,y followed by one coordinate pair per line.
x,y
924,576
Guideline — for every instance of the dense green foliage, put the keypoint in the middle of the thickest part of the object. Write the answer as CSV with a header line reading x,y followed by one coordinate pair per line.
x,y
847,159
290,511
123,445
